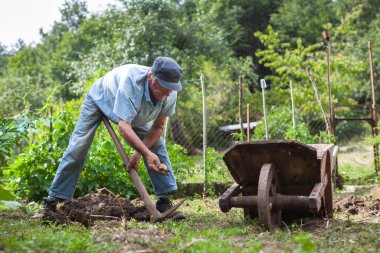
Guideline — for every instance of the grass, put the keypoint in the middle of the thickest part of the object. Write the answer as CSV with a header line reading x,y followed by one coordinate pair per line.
x,y
356,164
216,170
21,234
206,229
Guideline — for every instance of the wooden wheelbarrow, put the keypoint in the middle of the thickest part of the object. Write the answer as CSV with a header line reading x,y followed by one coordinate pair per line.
x,y
155,215
279,179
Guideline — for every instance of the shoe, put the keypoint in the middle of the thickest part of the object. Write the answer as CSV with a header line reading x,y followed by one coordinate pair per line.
x,y
50,203
163,204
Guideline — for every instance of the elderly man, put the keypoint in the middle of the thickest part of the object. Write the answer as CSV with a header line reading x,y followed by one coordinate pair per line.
x,y
138,99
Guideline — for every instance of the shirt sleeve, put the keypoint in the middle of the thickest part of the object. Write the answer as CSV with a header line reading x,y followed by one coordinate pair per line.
x,y
168,108
124,107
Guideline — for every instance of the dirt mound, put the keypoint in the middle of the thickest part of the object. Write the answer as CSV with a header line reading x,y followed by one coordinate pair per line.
x,y
100,205
358,205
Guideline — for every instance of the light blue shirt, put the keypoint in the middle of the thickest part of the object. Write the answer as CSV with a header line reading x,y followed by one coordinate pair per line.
x,y
123,93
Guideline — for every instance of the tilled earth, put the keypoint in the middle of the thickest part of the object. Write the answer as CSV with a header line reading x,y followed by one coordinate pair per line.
x,y
100,205
362,206
115,210
104,205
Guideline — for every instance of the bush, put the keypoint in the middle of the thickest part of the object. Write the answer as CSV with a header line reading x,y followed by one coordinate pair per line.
x,y
11,132
302,134
32,172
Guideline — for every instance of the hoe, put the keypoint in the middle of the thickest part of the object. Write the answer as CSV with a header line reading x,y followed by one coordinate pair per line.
x,y
155,215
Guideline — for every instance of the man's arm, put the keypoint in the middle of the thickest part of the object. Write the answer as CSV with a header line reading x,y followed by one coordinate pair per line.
x,y
142,147
155,131
149,140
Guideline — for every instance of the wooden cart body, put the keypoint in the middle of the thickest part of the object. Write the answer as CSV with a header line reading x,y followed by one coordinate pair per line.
x,y
280,178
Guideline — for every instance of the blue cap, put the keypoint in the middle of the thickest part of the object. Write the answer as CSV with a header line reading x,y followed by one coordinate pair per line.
x,y
168,73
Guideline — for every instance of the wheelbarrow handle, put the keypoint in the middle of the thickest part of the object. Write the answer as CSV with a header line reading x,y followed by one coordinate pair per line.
x,y
133,173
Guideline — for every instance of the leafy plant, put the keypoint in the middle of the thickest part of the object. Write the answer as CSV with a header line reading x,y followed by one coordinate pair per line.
x,y
8,199
216,169
301,133
5,195
304,243
31,174
238,136
10,134
182,164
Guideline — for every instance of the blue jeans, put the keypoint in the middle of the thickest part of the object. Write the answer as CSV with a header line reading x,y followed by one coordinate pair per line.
x,y
73,159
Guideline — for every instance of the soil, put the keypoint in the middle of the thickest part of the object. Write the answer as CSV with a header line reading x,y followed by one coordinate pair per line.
x,y
99,205
362,206
365,208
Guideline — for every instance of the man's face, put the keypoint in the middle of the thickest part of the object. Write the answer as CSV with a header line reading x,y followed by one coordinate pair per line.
x,y
159,92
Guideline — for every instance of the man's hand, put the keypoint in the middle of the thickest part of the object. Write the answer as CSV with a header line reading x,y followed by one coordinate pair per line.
x,y
142,147
134,161
153,162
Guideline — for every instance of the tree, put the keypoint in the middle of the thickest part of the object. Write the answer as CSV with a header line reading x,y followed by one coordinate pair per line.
x,y
4,55
303,19
73,13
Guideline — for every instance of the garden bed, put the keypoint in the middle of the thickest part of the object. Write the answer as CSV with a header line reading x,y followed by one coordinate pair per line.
x,y
206,228
99,205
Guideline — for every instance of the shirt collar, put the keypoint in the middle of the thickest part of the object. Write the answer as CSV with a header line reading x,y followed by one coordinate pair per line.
x,y
147,95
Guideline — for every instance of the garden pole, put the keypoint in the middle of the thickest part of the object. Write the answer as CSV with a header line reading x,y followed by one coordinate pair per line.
x,y
263,86
204,134
293,111
63,109
327,122
248,123
241,104
51,129
328,54
373,109
166,129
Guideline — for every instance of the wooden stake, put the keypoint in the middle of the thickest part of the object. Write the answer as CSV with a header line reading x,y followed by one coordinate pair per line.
x,y
373,109
328,127
292,100
241,104
248,123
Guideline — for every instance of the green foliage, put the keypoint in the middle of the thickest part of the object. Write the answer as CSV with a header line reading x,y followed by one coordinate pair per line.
x,y
290,64
311,16
3,59
10,135
216,169
6,142
5,195
346,130
238,136
32,236
280,127
183,165
301,133
32,172
209,37
221,87
304,243
278,122
8,199
206,229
